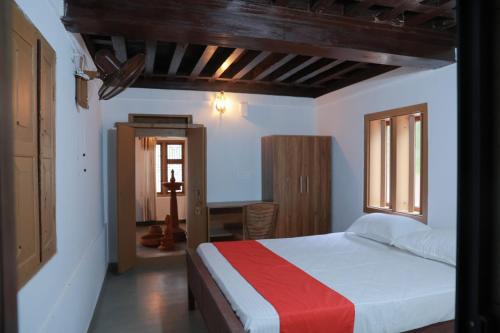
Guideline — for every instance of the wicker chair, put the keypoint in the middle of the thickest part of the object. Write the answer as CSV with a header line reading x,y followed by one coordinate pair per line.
x,y
260,220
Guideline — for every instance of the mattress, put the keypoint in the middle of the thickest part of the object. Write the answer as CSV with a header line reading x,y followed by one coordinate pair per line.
x,y
392,290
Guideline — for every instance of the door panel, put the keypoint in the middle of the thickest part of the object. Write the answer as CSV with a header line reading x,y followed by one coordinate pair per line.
x,y
296,188
125,196
320,183
46,123
197,186
24,98
308,162
27,226
281,184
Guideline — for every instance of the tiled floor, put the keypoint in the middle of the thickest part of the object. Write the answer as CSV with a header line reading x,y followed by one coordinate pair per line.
x,y
149,299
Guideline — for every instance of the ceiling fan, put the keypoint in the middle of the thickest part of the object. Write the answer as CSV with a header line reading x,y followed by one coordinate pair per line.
x,y
115,75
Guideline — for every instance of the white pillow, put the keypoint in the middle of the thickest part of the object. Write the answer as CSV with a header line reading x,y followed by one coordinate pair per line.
x,y
436,244
385,228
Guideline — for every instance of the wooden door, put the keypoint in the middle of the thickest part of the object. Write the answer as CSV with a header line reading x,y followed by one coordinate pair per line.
x,y
320,174
125,197
307,164
295,185
280,182
197,229
24,57
46,121
8,290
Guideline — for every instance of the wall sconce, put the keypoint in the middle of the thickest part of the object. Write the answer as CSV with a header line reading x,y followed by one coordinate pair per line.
x,y
220,102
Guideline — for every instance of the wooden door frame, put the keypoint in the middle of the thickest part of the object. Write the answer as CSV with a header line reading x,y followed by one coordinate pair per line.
x,y
145,126
8,288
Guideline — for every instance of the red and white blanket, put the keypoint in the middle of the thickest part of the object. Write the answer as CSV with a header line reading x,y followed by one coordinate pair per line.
x,y
329,283
304,304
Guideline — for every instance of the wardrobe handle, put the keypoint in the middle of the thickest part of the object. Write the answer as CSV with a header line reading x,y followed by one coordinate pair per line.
x,y
301,184
307,184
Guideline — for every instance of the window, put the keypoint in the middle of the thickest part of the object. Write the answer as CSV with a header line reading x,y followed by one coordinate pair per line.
x,y
396,161
169,156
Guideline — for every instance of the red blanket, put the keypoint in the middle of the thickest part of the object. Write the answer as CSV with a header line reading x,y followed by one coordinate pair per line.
x,y
303,303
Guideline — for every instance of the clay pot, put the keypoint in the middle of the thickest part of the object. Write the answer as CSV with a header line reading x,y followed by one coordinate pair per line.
x,y
155,230
150,240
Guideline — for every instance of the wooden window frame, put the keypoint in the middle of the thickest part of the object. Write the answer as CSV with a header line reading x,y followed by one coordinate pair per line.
x,y
165,174
420,109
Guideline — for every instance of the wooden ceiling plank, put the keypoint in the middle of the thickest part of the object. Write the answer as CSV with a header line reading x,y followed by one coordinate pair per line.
x,y
150,57
400,8
260,27
320,6
180,49
251,65
297,69
339,74
274,66
430,14
358,77
233,57
202,62
360,8
319,71
119,48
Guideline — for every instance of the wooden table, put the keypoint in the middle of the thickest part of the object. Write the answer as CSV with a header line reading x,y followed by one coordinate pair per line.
x,y
225,220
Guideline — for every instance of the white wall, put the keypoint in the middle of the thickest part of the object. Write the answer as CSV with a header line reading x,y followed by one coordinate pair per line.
x,y
233,147
62,296
340,114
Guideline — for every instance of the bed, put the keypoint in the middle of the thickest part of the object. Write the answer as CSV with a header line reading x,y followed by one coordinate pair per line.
x,y
392,290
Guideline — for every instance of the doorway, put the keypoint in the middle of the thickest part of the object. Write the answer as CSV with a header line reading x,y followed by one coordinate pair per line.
x,y
159,161
152,220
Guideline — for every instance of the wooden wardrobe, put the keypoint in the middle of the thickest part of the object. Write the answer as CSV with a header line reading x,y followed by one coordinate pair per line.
x,y
296,174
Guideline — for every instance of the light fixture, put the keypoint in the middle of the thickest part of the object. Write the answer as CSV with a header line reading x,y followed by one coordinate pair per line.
x,y
220,102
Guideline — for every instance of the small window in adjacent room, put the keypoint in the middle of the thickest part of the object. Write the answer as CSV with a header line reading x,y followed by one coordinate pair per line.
x,y
169,156
396,161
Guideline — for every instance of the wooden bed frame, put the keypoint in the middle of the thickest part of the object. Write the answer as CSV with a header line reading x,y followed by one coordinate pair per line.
x,y
217,312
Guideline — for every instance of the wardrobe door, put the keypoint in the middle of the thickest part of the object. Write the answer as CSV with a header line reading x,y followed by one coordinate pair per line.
x,y
320,186
307,164
296,186
47,150
24,47
281,183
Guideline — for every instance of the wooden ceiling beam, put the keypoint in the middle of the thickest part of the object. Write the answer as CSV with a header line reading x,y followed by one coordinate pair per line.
x,y
180,49
240,24
339,74
358,77
202,62
274,66
119,48
227,86
319,71
150,57
296,69
400,8
233,57
251,65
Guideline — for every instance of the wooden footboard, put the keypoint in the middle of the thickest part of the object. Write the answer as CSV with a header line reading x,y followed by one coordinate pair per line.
x,y
204,292
217,313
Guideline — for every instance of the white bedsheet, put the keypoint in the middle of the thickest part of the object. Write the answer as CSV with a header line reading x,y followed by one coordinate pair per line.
x,y
392,290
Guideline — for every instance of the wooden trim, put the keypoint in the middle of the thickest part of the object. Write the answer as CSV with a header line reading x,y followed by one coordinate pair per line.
x,y
411,152
8,288
170,119
217,313
383,131
391,114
